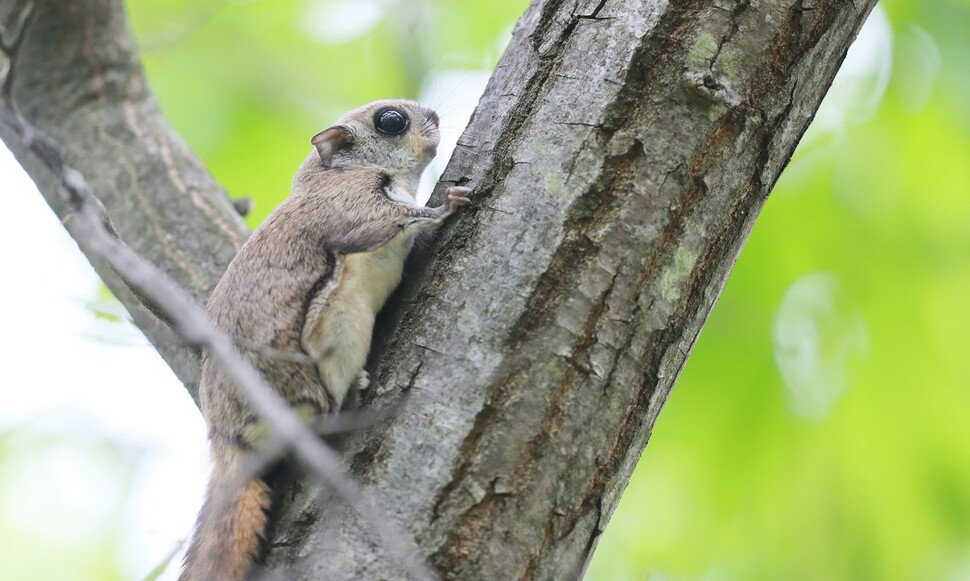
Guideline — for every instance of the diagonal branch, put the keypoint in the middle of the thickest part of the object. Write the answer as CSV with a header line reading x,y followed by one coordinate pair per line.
x,y
75,74
94,229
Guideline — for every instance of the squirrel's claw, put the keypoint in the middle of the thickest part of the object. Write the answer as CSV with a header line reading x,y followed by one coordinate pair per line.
x,y
457,197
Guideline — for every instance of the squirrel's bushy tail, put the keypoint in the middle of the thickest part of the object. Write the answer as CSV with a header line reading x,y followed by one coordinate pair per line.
x,y
230,527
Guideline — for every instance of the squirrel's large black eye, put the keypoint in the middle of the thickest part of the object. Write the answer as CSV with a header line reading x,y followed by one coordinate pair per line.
x,y
391,121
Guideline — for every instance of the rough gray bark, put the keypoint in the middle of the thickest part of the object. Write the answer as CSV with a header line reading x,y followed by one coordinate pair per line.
x,y
619,157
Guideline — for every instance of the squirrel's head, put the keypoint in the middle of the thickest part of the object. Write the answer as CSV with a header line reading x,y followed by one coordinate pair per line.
x,y
397,136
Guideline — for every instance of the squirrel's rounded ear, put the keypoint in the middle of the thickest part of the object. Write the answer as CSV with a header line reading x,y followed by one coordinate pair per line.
x,y
330,141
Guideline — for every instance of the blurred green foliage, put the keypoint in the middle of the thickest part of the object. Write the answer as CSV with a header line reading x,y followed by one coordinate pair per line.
x,y
248,83
62,503
820,430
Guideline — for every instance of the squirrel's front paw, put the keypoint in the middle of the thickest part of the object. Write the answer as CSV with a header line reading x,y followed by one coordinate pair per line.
x,y
457,197
363,381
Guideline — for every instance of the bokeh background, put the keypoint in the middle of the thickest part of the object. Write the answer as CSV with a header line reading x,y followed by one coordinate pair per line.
x,y
820,431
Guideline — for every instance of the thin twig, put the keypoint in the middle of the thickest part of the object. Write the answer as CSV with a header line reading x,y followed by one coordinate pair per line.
x,y
275,446
93,229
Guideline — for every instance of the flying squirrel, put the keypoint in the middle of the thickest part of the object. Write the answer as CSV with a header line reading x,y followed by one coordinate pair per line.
x,y
309,283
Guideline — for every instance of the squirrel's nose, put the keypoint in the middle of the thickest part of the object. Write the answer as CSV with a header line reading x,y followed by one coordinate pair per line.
x,y
433,117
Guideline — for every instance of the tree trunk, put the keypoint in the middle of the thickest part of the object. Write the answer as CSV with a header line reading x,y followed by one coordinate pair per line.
x,y
619,158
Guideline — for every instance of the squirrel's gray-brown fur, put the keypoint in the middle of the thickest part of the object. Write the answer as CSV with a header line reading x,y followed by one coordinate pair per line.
x,y
309,282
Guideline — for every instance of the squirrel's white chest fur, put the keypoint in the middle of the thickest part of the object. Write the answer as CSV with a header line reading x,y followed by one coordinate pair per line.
x,y
340,320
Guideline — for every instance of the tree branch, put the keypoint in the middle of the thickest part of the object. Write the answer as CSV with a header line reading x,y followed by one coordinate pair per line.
x,y
77,78
93,228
